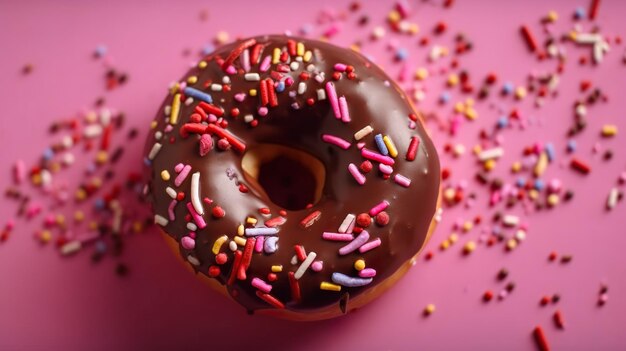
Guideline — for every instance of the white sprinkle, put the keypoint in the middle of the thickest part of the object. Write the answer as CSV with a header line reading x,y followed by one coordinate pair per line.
x,y
192,226
489,154
252,77
301,88
248,118
195,193
158,135
193,260
232,245
216,87
294,260
305,265
171,192
363,132
226,80
510,220
71,247
154,151
92,131
294,66
611,202
321,94
343,228
160,220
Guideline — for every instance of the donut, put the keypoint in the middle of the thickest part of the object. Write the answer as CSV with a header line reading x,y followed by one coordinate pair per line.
x,y
292,175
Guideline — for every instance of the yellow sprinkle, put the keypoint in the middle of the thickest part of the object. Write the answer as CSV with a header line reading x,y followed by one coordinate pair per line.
x,y
91,117
93,225
470,102
175,109
414,28
445,245
516,167
36,179
471,113
240,240
467,226
102,157
153,124
54,167
533,194
165,175
277,268
469,247
45,236
541,165
251,220
174,88
217,245
429,309
192,80
137,226
307,56
79,216
459,107
453,80
511,244
359,264
421,73
300,49
477,149
252,92
553,16
276,56
202,64
394,16
520,93
393,151
454,237
489,165
240,230
449,194
330,286
553,200
80,194
609,130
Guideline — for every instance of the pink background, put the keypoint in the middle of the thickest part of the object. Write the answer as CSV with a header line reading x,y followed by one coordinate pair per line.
x,y
69,304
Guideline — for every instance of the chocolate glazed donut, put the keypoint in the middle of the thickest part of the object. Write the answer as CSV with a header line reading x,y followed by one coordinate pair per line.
x,y
292,174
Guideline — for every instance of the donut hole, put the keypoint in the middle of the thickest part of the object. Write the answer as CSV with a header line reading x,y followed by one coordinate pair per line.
x,y
290,178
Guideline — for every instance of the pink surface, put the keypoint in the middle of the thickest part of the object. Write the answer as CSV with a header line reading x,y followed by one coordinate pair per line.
x,y
69,304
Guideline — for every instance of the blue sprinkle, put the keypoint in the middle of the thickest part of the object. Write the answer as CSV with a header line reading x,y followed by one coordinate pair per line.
x,y
99,204
101,50
146,161
306,29
401,54
101,246
381,144
580,13
270,245
550,152
48,154
345,280
444,98
496,230
521,182
571,145
507,88
208,49
503,122
280,87
197,94
539,184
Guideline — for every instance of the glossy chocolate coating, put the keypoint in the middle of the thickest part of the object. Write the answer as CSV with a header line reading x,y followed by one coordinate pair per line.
x,y
373,99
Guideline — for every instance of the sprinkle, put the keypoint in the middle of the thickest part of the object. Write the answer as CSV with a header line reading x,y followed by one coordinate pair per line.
x,y
252,77
347,222
154,151
265,64
510,220
217,245
270,299
378,138
160,220
402,180
412,150
305,265
195,193
187,242
295,287
541,165
344,280
71,247
197,94
330,286
609,130
558,320
317,266
369,246
531,42
337,236
211,109
367,273
235,267
593,9
236,52
310,219
332,96
580,166
276,221
343,107
429,309
19,172
271,244
365,131
261,231
611,202
335,140
379,208
355,244
321,94
196,217
171,192
300,253
175,109
540,338
259,243
393,151
359,264
182,175
261,285
358,176
277,268
489,154
245,259
374,156
170,210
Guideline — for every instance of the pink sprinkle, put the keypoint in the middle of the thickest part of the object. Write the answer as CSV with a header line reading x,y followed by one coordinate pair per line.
x,y
367,273
337,236
231,70
334,29
375,156
196,217
240,97
262,111
206,144
170,210
19,171
245,60
356,243
187,242
341,67
179,167
335,140
332,97
369,246
360,145
182,175
360,178
317,266
289,81
258,244
343,107
168,128
265,64
261,285
385,169
212,118
379,208
402,180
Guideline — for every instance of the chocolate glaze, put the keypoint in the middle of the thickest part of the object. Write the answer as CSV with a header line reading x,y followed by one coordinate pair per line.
x,y
373,99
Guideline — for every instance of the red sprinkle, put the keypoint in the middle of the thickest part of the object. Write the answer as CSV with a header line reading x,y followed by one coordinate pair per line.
x,y
580,166
235,53
211,109
218,212
411,153
310,219
530,39
300,253
558,320
363,220
246,259
214,271
270,299
235,269
593,9
295,287
540,338
382,219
